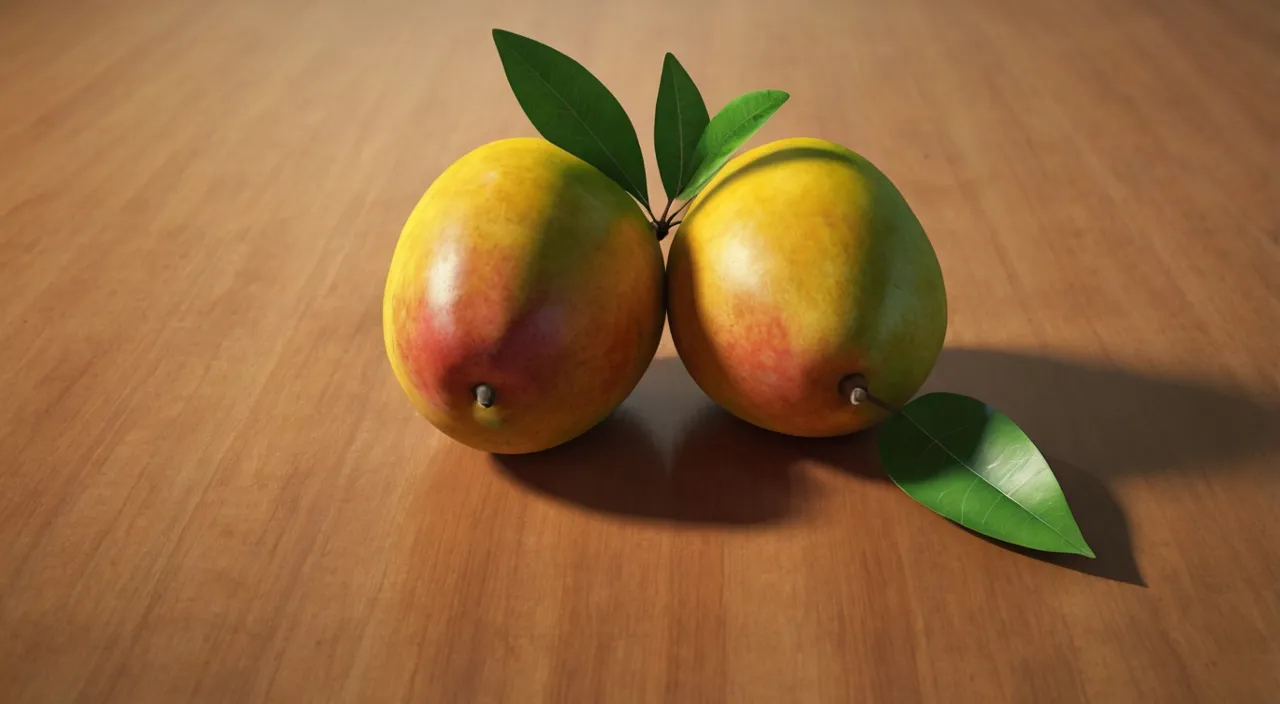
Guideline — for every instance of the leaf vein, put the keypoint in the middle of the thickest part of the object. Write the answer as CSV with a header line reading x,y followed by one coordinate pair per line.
x,y
675,94
979,476
965,499
747,119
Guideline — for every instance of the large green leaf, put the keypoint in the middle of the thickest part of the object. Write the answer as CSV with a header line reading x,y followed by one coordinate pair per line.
x,y
678,122
573,110
972,464
732,126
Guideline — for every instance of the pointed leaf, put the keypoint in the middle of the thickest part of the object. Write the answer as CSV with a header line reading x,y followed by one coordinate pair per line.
x,y
573,110
972,464
732,126
678,122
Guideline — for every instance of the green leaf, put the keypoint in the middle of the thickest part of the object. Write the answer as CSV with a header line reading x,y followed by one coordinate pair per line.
x,y
573,110
678,122
732,126
972,464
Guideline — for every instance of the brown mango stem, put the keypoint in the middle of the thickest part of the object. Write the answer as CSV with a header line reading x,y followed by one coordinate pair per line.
x,y
485,395
662,226
854,388
666,211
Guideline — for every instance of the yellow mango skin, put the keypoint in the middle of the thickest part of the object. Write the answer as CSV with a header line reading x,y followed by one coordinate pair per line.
x,y
524,268
799,264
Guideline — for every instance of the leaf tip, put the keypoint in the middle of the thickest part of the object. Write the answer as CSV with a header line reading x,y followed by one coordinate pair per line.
x,y
1086,550
671,66
505,42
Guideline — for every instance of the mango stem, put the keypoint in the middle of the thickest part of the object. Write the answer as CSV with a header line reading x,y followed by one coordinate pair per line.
x,y
484,395
854,388
662,226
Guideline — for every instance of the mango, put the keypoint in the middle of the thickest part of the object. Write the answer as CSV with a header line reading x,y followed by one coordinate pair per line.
x,y
524,299
798,268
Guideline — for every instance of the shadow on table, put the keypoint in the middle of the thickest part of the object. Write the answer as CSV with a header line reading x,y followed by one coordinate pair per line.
x,y
1115,421
670,454
1102,523
717,469
618,468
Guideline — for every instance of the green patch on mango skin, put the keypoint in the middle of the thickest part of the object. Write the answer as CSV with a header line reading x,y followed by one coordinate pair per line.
x,y
488,417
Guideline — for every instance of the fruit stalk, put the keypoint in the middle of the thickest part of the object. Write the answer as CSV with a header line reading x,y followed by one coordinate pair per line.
x,y
854,387
662,225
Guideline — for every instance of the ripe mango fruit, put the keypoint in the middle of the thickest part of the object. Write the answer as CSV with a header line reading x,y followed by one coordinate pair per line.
x,y
799,266
524,299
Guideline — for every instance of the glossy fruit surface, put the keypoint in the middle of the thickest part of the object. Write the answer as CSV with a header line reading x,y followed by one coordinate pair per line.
x,y
528,272
798,265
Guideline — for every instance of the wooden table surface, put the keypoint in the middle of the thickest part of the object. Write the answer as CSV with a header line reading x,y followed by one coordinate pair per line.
x,y
212,488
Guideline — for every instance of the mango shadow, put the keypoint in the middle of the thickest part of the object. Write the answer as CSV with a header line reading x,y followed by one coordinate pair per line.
x,y
620,468
789,154
718,438
1114,421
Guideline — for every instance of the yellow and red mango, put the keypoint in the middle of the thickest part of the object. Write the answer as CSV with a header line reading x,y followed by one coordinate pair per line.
x,y
524,300
800,264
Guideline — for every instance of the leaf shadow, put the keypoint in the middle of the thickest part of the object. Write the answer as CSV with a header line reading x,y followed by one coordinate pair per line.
x,y
782,155
1102,522
1117,422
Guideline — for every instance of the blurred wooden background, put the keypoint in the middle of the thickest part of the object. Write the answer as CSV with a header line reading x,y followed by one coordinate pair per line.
x,y
212,489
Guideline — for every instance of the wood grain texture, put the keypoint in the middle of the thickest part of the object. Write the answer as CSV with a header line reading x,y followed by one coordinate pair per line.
x,y
212,489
